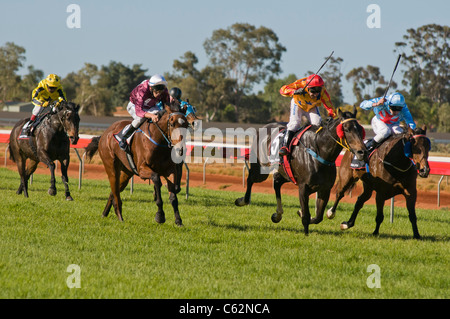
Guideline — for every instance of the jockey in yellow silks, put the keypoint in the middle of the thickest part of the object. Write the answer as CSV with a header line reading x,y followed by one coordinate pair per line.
x,y
305,103
47,91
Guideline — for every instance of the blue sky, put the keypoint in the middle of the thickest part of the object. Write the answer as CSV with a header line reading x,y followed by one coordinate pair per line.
x,y
155,33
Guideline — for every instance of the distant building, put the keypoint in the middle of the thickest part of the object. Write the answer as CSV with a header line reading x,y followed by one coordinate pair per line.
x,y
18,107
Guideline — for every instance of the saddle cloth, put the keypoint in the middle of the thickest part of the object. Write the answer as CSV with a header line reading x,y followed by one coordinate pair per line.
x,y
285,161
119,138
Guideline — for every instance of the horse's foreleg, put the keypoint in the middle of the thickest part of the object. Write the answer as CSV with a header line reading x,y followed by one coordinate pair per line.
x,y
65,179
51,165
174,201
411,206
380,199
364,197
160,216
341,189
278,181
303,213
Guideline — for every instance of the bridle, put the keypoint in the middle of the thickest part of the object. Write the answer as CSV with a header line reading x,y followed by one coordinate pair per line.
x,y
167,137
341,134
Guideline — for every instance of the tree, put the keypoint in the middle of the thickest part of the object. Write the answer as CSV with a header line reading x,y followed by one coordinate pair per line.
x,y
29,82
209,89
367,82
332,76
12,58
120,80
426,56
248,55
278,105
93,98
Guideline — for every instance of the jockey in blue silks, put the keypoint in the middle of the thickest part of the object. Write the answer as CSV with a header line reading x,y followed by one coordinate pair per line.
x,y
388,115
184,105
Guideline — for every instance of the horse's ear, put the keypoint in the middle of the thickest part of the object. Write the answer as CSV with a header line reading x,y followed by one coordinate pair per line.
x,y
354,111
340,112
424,128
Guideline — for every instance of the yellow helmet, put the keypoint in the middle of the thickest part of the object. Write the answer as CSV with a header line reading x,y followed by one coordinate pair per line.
x,y
53,80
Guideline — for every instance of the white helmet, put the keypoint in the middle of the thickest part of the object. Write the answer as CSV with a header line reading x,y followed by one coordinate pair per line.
x,y
396,100
158,82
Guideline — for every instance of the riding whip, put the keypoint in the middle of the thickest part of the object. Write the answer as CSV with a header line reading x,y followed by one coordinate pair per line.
x,y
303,89
390,81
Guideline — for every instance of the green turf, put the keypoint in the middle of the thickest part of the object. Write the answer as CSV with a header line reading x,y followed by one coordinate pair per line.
x,y
223,251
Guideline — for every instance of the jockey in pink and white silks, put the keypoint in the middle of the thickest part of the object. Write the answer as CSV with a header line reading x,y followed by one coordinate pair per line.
x,y
143,105
388,115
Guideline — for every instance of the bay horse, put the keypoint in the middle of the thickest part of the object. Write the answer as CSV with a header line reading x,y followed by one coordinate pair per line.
x,y
391,173
151,150
50,141
312,163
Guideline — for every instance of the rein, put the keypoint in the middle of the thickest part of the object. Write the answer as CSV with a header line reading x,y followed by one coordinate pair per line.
x,y
395,167
166,137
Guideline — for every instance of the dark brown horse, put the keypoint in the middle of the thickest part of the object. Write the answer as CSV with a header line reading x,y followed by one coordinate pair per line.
x,y
312,162
390,173
50,142
154,148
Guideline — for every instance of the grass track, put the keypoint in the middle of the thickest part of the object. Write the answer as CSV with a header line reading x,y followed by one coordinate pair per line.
x,y
223,251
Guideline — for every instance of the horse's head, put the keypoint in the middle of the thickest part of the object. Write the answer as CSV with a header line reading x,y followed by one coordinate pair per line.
x,y
177,125
190,113
352,134
70,119
420,147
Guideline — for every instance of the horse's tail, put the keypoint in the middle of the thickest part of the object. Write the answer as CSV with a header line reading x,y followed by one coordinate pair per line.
x,y
92,148
11,154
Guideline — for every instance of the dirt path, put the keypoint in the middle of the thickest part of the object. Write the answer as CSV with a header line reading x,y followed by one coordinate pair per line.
x,y
426,199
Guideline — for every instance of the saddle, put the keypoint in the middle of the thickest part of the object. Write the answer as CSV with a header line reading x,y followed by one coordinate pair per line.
x,y
285,160
23,135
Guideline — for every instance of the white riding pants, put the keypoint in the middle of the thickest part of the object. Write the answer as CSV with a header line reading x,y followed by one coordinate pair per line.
x,y
383,130
137,120
295,117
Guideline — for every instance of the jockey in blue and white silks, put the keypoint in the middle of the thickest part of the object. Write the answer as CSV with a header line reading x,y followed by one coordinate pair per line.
x,y
388,115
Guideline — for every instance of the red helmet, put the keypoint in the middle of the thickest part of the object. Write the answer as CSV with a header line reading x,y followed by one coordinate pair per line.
x,y
316,81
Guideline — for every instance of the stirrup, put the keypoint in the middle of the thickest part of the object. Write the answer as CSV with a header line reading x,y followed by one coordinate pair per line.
x,y
124,146
283,151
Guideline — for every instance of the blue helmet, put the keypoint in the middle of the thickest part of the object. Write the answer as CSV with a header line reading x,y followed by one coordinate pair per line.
x,y
396,101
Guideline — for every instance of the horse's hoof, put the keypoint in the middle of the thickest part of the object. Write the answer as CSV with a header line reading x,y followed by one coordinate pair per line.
x,y
179,223
344,226
160,218
69,198
240,202
331,214
52,192
276,218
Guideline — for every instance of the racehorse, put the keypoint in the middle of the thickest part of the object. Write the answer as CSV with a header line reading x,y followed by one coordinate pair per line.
x,y
151,152
391,173
312,163
50,141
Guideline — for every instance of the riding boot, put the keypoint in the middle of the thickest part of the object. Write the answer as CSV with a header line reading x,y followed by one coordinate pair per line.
x,y
371,145
27,129
285,144
123,136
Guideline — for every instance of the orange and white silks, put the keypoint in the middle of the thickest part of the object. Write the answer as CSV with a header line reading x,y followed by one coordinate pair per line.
x,y
305,102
